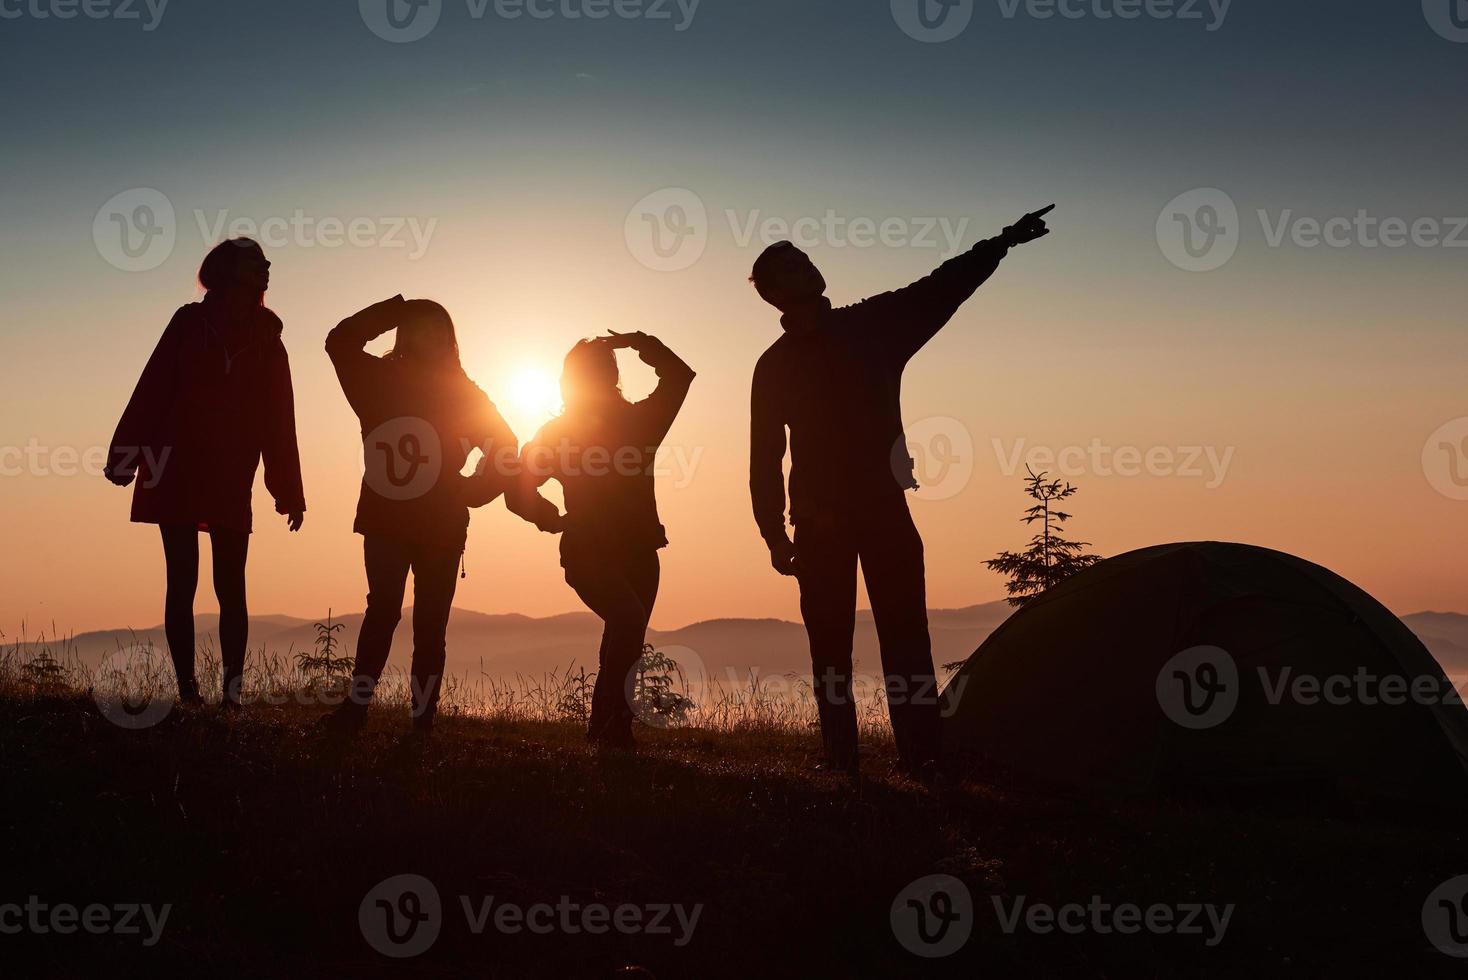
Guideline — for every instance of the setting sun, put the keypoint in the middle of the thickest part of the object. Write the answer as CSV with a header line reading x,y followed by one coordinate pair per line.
x,y
533,398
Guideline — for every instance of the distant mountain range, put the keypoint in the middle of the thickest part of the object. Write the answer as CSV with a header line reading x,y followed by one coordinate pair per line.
x,y
509,644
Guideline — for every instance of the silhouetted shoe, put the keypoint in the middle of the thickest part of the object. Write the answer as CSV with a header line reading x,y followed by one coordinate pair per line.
x,y
423,725
188,694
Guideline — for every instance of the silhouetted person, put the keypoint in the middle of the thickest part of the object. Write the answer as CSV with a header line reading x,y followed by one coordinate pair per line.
x,y
213,401
602,449
421,418
834,380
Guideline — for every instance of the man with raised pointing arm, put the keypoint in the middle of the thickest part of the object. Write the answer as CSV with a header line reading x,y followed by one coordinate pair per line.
x,y
834,380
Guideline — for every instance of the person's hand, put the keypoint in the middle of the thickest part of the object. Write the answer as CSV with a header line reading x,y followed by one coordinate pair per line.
x,y
783,558
120,478
295,519
554,525
634,339
1028,228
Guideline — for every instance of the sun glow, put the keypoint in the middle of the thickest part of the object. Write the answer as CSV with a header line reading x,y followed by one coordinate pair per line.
x,y
533,397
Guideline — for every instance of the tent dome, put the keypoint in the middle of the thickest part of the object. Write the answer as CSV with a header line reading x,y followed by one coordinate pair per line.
x,y
1212,663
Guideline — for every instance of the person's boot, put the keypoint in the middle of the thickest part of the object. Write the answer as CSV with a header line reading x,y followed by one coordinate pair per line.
x,y
613,735
231,684
188,693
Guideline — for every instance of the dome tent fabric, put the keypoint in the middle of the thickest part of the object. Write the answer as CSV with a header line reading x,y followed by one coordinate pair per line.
x,y
1212,663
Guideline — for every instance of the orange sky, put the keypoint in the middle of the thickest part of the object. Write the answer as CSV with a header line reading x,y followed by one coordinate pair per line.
x,y
1316,378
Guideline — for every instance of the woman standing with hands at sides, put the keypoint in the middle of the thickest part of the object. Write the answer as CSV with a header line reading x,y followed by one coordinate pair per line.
x,y
214,399
601,449
421,418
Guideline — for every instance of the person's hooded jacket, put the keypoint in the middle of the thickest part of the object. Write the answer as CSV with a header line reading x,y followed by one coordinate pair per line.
x,y
214,400
419,427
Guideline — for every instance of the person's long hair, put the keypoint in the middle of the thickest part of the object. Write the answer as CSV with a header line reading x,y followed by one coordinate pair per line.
x,y
590,377
219,272
432,342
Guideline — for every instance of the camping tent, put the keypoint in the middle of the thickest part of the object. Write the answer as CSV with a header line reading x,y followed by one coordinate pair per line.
x,y
1212,664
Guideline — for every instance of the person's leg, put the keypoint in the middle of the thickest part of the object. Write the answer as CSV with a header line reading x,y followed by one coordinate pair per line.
x,y
181,558
892,563
231,549
828,605
643,572
435,578
608,591
387,580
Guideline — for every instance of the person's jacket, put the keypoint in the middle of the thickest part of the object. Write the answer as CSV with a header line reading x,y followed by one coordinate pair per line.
x,y
604,460
419,427
834,379
214,400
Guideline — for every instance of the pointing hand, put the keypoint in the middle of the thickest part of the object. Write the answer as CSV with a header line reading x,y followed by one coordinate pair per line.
x,y
1028,228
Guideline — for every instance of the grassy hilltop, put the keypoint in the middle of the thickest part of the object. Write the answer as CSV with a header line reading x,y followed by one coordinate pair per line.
x,y
265,840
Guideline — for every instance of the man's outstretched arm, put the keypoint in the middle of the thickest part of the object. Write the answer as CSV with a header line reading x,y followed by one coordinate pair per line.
x,y
912,315
767,471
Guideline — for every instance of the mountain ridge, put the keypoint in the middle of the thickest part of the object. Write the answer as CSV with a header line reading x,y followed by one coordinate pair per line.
x,y
503,644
